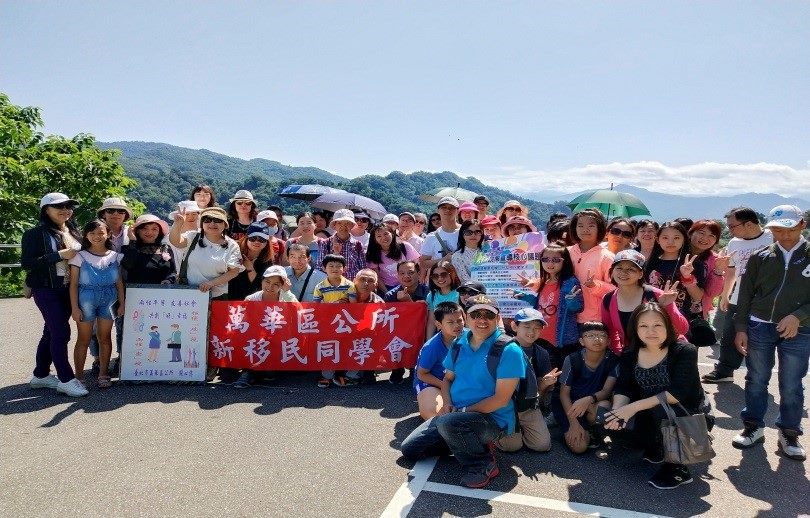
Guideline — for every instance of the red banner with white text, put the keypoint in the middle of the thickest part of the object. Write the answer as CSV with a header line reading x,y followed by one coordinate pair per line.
x,y
312,337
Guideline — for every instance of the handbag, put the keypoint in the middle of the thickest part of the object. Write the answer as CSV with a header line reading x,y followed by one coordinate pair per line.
x,y
701,333
686,439
182,277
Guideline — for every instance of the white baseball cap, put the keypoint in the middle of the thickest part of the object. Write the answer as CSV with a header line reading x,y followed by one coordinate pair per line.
x,y
263,215
390,218
784,216
55,198
276,271
448,200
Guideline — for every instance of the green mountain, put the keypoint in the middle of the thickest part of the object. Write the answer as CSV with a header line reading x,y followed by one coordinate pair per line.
x,y
152,164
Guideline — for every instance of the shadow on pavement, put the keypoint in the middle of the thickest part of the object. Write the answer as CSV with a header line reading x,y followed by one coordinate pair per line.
x,y
786,488
289,391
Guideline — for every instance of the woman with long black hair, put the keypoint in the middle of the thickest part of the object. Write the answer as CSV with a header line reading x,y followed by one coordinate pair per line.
x,y
46,249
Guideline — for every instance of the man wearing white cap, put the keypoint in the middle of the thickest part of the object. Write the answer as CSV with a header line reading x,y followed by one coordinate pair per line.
x,y
443,242
341,243
773,317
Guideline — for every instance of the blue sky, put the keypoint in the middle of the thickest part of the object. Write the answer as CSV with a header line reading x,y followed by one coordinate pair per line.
x,y
536,96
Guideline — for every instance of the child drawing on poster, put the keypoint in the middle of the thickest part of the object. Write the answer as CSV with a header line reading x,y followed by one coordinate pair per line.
x,y
175,343
154,344
191,361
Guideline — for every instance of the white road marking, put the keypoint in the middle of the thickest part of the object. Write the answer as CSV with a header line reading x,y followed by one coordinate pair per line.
x,y
400,504
534,501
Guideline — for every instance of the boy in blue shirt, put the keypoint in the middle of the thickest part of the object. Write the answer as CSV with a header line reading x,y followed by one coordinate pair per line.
x,y
429,369
478,408
586,385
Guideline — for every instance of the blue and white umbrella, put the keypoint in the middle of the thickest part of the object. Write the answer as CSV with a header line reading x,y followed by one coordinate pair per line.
x,y
306,192
348,200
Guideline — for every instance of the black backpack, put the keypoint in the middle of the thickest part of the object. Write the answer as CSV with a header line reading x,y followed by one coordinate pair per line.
x,y
526,396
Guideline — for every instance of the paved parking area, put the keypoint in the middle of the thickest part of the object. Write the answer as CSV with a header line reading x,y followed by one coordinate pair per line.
x,y
291,448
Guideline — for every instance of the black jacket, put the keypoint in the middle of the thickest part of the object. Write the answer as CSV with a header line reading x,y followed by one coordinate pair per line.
x,y
684,379
39,258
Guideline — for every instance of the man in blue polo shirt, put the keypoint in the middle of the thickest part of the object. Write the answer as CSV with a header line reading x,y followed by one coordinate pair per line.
x,y
478,407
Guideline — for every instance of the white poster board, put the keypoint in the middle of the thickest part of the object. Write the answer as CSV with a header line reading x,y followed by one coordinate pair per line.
x,y
165,333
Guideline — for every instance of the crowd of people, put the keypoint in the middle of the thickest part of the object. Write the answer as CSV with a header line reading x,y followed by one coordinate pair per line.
x,y
609,332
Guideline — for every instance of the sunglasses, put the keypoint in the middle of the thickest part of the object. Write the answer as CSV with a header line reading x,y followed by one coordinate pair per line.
x,y
243,202
619,232
63,206
208,219
483,313
441,275
516,209
362,220
115,211
255,239
553,260
473,232
466,291
419,222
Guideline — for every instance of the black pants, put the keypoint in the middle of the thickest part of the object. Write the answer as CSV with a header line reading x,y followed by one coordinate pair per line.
x,y
730,358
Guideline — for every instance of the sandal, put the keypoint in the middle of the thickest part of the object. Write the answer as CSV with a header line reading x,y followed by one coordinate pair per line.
x,y
104,382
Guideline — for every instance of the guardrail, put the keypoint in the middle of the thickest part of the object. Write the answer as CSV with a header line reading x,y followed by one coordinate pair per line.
x,y
10,245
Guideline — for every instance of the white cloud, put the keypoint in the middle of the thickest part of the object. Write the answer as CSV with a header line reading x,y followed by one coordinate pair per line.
x,y
707,178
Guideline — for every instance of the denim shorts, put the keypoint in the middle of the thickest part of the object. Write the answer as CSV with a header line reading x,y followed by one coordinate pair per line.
x,y
419,386
97,302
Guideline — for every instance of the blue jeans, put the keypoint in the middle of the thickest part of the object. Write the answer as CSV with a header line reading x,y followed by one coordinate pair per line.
x,y
466,434
763,343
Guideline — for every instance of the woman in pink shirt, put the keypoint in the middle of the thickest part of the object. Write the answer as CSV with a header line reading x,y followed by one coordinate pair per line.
x,y
591,261
703,236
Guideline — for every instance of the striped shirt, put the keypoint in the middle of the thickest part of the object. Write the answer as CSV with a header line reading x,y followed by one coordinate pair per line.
x,y
326,292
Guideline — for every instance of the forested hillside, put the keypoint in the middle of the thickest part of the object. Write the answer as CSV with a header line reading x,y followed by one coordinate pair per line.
x,y
166,174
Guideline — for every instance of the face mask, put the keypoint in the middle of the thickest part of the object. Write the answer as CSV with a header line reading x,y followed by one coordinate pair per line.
x,y
273,230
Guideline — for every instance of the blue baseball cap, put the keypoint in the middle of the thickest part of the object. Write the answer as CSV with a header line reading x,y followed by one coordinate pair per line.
x,y
529,314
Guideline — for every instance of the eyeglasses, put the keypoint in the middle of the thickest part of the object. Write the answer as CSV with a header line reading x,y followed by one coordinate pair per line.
x,y
595,336
554,260
208,219
619,232
516,209
420,222
730,227
63,206
243,202
362,220
469,232
115,211
483,313
440,275
466,291
254,239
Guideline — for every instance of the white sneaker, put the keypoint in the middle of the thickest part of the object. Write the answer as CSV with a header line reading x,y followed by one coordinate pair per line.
x,y
72,388
750,436
50,382
789,444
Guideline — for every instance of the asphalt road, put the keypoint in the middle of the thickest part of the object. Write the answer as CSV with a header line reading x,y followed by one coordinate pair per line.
x,y
294,449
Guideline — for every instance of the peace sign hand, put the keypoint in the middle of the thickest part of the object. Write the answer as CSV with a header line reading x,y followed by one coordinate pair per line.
x,y
687,267
722,261
589,280
180,215
669,294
